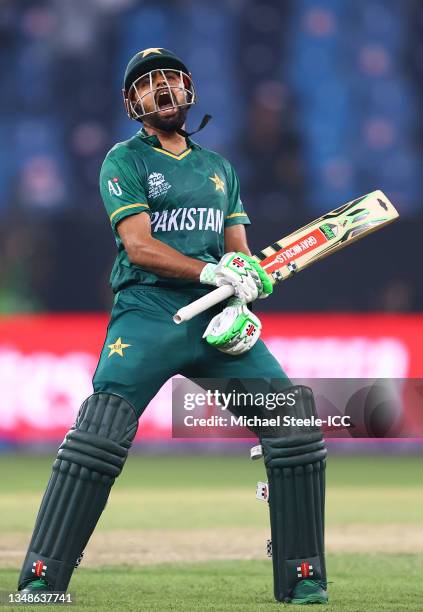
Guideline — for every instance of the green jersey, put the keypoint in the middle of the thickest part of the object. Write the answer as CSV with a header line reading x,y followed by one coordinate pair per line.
x,y
190,198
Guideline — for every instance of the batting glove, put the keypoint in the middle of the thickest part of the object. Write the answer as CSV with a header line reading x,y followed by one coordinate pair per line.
x,y
241,271
235,330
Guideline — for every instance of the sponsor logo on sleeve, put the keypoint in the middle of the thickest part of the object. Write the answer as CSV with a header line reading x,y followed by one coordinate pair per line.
x,y
114,187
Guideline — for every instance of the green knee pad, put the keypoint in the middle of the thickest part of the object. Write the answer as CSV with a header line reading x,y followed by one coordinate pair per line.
x,y
91,456
295,464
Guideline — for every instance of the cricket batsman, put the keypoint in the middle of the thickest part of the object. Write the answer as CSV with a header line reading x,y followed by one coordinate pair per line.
x,y
179,225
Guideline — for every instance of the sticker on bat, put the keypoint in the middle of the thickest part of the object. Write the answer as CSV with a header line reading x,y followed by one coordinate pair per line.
x,y
296,249
330,230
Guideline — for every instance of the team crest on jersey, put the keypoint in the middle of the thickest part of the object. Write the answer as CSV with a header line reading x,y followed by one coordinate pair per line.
x,y
114,187
157,185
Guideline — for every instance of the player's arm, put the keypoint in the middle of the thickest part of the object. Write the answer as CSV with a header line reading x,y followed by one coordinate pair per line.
x,y
152,254
236,239
163,260
124,192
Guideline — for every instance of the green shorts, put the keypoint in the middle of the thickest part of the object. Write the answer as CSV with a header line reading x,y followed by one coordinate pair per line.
x,y
144,347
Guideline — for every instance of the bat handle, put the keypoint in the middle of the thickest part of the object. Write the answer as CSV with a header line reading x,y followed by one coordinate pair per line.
x,y
203,303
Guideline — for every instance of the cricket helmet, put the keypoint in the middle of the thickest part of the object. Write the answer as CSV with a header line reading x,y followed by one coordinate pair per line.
x,y
147,63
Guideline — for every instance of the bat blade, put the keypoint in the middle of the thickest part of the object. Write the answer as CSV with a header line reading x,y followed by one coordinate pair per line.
x,y
326,235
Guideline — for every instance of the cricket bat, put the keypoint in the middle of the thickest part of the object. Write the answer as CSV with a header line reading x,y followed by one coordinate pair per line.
x,y
313,242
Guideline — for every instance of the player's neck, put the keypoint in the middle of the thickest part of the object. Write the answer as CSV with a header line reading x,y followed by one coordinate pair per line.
x,y
171,141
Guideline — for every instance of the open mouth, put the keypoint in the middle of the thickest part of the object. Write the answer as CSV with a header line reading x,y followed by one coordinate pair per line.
x,y
164,100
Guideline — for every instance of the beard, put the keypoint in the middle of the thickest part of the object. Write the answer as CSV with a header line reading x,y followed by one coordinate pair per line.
x,y
170,123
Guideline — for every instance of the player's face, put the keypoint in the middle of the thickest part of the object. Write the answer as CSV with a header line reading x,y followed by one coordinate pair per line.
x,y
161,92
162,98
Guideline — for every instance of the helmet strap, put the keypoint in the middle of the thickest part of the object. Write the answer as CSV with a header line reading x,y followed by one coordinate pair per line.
x,y
204,122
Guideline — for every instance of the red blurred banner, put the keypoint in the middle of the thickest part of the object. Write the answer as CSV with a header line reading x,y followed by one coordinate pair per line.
x,y
47,362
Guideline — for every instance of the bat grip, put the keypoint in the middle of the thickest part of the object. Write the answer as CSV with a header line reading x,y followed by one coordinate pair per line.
x,y
203,303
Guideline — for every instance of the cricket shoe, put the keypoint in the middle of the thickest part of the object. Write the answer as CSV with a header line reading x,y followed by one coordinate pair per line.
x,y
310,592
39,586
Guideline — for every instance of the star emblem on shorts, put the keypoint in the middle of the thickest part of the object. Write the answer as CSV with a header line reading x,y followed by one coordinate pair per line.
x,y
117,347
150,50
218,182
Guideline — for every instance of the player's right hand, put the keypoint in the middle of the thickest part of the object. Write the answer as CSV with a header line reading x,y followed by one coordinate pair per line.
x,y
235,330
249,280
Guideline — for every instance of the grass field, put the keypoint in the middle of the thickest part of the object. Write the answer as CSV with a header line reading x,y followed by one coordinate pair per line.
x,y
186,533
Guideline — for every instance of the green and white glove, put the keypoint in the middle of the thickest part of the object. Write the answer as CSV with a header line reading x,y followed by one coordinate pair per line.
x,y
241,271
234,330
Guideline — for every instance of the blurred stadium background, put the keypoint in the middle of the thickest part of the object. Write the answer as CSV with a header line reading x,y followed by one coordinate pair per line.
x,y
315,103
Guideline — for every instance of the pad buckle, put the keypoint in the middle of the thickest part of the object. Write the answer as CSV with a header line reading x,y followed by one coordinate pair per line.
x,y
256,452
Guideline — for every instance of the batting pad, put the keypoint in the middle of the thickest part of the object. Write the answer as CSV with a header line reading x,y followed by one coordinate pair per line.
x,y
295,465
91,456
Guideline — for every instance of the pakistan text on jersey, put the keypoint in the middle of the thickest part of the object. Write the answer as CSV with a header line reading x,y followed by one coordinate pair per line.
x,y
189,219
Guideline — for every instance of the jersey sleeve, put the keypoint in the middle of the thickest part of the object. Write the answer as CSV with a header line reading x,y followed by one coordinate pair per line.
x,y
121,190
236,214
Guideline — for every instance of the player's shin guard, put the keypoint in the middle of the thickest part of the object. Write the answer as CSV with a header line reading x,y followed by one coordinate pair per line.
x,y
91,456
295,464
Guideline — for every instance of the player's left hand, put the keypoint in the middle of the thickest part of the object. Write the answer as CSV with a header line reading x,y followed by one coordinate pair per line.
x,y
234,330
